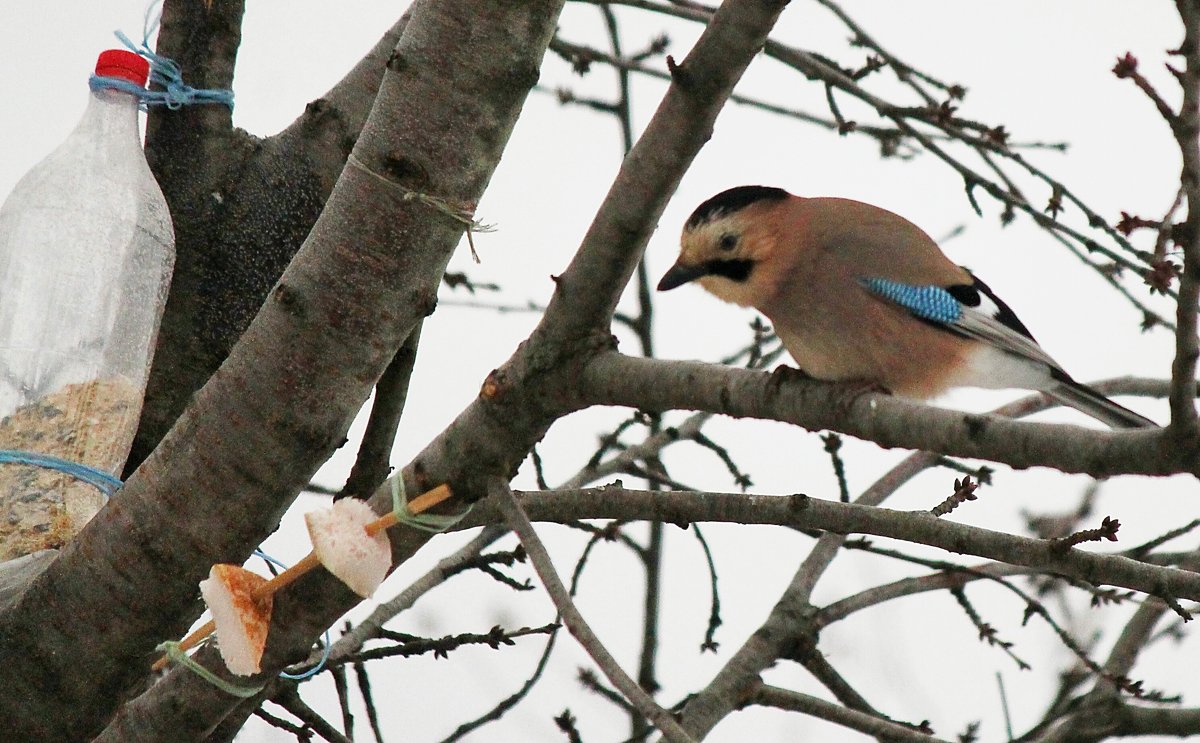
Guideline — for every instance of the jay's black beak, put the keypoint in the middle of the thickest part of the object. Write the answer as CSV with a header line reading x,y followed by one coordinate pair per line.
x,y
680,275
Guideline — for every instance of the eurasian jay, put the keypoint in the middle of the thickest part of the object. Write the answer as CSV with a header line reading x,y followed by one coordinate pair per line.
x,y
857,293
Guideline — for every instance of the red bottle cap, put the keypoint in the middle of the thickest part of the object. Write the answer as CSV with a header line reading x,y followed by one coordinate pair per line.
x,y
123,64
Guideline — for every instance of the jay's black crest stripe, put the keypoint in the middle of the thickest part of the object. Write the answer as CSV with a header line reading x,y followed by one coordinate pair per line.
x,y
733,269
736,270
969,296
733,200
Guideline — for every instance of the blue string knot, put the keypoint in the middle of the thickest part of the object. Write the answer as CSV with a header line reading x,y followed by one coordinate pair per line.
x,y
164,72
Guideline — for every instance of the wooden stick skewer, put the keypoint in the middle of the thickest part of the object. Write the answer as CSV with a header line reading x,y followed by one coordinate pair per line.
x,y
420,504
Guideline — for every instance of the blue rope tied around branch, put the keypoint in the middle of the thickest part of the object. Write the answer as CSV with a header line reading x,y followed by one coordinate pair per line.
x,y
164,72
325,648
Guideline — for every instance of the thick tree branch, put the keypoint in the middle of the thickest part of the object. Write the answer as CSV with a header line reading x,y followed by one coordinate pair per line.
x,y
1136,720
1186,128
802,512
537,384
241,205
654,385
1115,719
496,432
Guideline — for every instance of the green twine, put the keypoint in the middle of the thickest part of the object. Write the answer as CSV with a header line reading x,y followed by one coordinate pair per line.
x,y
176,655
434,523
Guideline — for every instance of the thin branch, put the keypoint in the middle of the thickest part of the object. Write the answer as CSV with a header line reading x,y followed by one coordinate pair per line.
x,y
794,701
649,449
650,384
407,646
578,627
571,52
1186,127
588,680
364,690
504,705
352,641
833,444
714,611
371,467
939,581
302,732
905,73
802,512
290,700
341,688
513,699
823,671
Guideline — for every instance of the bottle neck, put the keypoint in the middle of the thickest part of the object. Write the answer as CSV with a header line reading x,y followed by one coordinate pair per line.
x,y
112,115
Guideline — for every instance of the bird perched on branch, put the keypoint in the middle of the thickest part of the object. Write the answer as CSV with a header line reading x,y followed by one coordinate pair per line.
x,y
857,293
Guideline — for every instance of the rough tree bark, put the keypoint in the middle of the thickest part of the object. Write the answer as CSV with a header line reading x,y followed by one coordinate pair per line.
x,y
242,204
85,630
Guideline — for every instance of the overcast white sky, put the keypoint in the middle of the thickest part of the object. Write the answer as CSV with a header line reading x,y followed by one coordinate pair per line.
x,y
1040,68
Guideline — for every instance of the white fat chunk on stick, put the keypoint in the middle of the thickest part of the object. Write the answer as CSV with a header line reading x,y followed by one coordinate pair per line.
x,y
340,539
241,620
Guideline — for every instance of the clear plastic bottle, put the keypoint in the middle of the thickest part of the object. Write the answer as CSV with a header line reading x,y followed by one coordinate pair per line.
x,y
86,253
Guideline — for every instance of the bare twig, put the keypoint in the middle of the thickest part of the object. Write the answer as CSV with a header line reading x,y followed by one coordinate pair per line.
x,y
1107,530
578,627
409,645
290,700
353,640
964,490
833,444
1186,128
714,613
772,696
802,512
371,467
341,687
364,690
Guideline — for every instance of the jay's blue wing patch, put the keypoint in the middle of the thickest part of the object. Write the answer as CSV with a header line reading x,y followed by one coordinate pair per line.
x,y
932,303
972,311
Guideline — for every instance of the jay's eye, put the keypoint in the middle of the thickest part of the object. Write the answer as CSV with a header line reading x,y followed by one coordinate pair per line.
x,y
727,242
